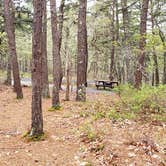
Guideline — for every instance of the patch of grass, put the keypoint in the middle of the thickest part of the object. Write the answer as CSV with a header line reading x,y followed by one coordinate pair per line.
x,y
159,117
98,147
160,136
114,115
89,133
99,115
84,114
88,163
2,73
147,98
149,101
54,108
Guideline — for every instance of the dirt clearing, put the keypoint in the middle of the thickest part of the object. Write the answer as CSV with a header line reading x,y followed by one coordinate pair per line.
x,y
78,134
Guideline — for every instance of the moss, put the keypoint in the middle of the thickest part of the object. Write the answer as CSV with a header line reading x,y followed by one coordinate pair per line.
x,y
34,138
54,108
19,97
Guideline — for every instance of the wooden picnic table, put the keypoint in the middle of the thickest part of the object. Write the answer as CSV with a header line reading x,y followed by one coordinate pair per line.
x,y
104,84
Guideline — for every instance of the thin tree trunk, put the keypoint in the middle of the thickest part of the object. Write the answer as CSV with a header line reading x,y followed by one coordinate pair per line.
x,y
67,81
117,20
153,78
111,76
125,40
157,79
9,72
56,55
164,71
142,44
125,15
10,30
45,82
82,54
37,117
163,39
67,66
61,16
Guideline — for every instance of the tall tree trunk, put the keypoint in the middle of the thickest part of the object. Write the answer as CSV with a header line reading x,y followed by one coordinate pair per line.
x,y
117,20
142,44
37,117
157,79
125,40
45,82
67,66
111,76
118,67
10,30
82,54
61,16
56,55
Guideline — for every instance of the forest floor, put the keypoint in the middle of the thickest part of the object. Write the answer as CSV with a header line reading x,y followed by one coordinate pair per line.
x,y
79,134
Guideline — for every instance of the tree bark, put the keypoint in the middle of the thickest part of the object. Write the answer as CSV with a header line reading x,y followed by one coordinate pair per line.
x,y
82,54
9,72
142,44
37,117
10,30
125,40
67,66
61,16
113,40
163,39
164,70
157,79
56,55
45,82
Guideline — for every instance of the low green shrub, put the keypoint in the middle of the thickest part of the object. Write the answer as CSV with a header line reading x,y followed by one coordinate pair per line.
x,y
148,98
115,115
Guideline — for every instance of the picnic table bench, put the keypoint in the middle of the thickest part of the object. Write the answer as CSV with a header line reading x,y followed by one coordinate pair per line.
x,y
104,84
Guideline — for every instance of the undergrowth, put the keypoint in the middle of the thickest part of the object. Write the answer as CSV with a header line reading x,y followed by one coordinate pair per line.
x,y
148,101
